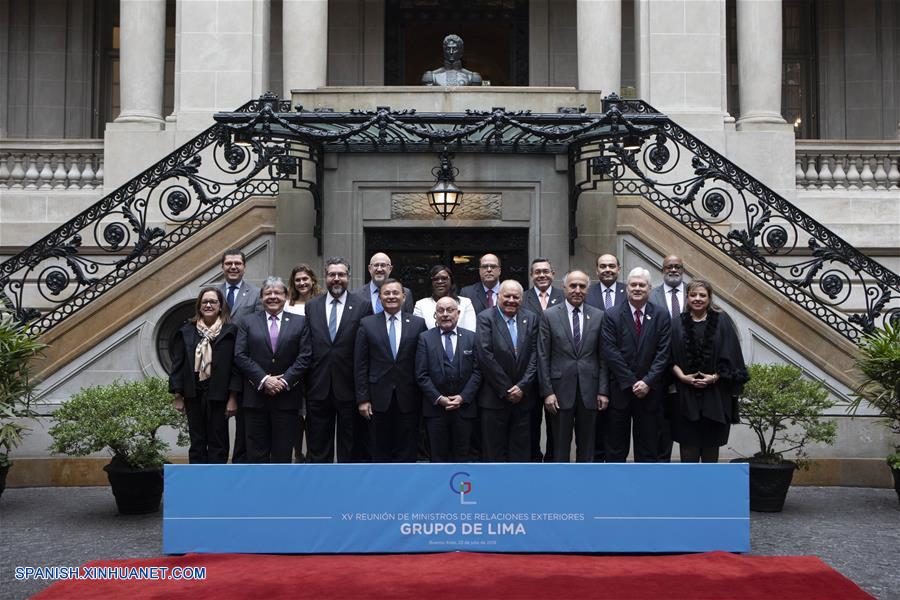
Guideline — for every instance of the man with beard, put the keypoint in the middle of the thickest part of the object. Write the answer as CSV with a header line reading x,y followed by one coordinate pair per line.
x,y
448,374
380,269
541,296
385,365
507,356
333,320
272,351
572,377
670,296
636,348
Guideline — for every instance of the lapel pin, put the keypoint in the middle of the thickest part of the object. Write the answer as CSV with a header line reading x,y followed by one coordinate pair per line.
x,y
648,317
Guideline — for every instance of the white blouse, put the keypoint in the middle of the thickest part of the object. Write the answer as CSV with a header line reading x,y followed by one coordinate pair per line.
x,y
425,308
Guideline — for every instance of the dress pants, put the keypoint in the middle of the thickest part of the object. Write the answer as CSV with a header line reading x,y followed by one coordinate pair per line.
x,y
548,427
450,437
583,421
271,433
600,437
239,451
644,415
665,429
208,429
505,434
362,439
321,418
396,435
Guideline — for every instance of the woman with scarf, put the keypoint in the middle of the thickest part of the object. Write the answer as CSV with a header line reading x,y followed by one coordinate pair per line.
x,y
710,372
202,353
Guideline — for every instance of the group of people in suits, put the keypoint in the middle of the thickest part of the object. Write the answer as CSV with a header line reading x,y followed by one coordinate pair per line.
x,y
362,373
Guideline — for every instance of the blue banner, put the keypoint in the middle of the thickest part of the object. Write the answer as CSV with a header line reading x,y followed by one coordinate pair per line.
x,y
359,508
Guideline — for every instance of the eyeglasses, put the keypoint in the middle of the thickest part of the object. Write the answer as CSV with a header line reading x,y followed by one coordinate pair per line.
x,y
380,265
440,278
673,268
542,272
209,302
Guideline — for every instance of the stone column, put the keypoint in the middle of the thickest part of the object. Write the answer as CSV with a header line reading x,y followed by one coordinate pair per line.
x,y
260,66
759,61
599,25
304,44
142,51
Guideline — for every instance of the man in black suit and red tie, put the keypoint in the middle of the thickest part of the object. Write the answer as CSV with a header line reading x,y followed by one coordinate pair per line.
x,y
484,293
385,365
333,320
272,352
573,379
636,348
507,356
541,296
448,374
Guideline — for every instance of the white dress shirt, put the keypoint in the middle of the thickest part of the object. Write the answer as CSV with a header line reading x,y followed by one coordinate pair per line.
x,y
342,304
569,310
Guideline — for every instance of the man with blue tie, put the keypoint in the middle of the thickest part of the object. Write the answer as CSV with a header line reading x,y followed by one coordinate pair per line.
x,y
333,320
385,368
507,356
243,299
380,269
448,374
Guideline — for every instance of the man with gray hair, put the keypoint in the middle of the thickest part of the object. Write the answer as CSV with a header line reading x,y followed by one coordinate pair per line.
x,y
636,348
272,352
333,320
507,354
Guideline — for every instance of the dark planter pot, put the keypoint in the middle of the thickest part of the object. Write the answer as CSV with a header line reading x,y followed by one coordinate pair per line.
x,y
769,485
5,469
896,473
137,491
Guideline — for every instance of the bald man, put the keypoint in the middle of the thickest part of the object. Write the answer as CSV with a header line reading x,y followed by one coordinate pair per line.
x,y
380,269
484,293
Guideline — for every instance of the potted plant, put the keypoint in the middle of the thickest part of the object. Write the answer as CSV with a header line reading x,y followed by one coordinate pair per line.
x,y
879,363
18,348
124,418
784,410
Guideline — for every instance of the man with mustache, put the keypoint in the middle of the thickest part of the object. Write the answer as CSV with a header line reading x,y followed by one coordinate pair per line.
x,y
380,269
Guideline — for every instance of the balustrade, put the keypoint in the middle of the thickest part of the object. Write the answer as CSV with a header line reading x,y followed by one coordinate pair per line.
x,y
51,164
847,165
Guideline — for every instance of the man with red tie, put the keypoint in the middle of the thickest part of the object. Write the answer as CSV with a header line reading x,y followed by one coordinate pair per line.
x,y
484,293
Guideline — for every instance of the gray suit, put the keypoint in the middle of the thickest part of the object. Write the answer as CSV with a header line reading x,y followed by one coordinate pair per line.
x,y
365,294
246,302
662,297
575,374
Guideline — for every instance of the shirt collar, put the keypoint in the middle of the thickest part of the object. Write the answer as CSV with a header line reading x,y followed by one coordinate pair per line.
x,y
342,299
571,308
495,289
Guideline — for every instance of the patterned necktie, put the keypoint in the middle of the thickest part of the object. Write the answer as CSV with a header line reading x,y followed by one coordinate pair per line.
x,y
232,289
392,336
273,331
676,307
637,322
543,300
513,333
490,298
607,302
576,328
332,319
378,307
448,345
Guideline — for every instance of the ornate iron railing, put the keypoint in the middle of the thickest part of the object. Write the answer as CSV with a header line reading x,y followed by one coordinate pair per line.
x,y
639,149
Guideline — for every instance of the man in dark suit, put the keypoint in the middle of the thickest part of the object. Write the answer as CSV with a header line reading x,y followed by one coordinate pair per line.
x,y
333,320
385,366
670,296
573,379
272,352
243,299
380,268
605,294
541,296
484,293
507,356
636,348
448,374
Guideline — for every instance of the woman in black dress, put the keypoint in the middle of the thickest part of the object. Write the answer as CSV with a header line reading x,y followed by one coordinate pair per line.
x,y
202,352
709,370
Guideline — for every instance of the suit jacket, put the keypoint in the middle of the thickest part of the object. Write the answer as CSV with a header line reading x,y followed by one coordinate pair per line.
x,y
533,303
331,369
562,366
182,377
501,366
378,373
246,301
595,295
363,294
255,358
631,358
660,297
439,377
475,293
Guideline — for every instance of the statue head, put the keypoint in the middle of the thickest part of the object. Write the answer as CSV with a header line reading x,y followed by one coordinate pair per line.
x,y
453,48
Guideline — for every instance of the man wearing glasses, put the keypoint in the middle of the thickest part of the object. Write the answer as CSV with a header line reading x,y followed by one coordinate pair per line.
x,y
484,293
380,268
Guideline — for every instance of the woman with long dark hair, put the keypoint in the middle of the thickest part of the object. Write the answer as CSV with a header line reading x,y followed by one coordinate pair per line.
x,y
202,353
442,285
710,372
303,286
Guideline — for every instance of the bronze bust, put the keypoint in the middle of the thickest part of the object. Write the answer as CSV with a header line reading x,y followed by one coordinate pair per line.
x,y
452,73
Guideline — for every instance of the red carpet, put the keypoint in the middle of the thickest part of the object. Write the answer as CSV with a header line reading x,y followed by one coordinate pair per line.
x,y
714,575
